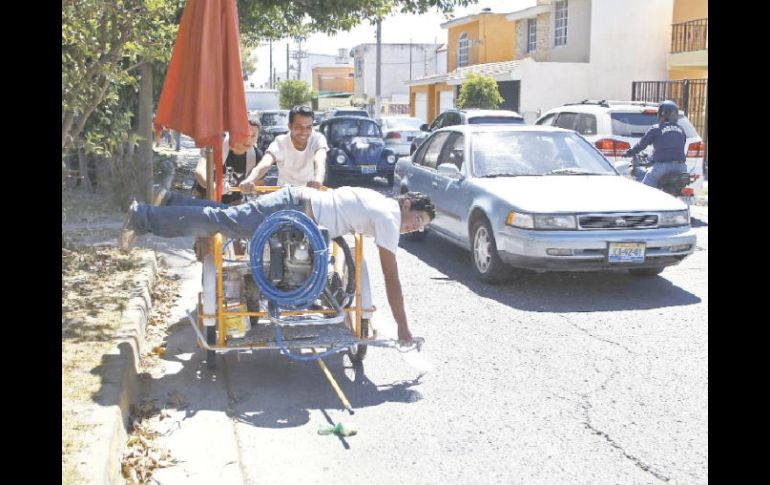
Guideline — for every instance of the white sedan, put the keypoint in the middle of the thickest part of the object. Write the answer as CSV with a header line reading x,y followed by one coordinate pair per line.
x,y
544,199
399,131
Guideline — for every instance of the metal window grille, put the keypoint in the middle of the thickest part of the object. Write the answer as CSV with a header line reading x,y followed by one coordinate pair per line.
x,y
560,27
690,36
690,94
531,35
462,50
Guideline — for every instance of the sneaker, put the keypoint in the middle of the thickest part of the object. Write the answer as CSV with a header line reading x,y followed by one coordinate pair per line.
x,y
158,197
128,233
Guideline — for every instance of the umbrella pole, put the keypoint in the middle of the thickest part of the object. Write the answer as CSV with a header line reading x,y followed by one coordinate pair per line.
x,y
210,187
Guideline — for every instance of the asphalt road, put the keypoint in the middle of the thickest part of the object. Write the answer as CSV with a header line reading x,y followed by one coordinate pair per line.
x,y
549,379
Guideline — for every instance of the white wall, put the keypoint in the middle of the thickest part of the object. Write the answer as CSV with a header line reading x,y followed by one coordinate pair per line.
x,y
630,41
577,48
395,68
632,36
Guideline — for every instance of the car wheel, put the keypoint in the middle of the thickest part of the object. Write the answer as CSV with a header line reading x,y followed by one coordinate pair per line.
x,y
646,271
486,260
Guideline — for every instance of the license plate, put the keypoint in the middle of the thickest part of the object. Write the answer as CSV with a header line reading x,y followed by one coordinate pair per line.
x,y
625,252
367,169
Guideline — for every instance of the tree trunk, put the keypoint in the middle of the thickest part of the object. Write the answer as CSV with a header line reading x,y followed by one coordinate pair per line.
x,y
144,130
85,179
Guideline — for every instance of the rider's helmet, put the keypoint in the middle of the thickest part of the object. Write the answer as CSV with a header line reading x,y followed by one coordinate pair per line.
x,y
668,111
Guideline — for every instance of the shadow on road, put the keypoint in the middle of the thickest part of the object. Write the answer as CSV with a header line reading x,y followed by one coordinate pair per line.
x,y
275,392
263,388
553,292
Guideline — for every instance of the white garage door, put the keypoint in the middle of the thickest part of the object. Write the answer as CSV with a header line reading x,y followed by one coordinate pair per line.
x,y
421,106
446,101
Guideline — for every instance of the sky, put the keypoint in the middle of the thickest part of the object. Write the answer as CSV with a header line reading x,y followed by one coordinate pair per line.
x,y
399,28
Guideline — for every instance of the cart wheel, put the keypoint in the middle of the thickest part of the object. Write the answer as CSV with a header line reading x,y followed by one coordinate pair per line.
x,y
358,352
211,339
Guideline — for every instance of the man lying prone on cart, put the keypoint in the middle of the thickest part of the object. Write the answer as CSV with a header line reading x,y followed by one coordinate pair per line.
x,y
341,211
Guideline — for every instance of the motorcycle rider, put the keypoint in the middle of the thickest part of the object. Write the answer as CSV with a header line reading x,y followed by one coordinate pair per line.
x,y
668,140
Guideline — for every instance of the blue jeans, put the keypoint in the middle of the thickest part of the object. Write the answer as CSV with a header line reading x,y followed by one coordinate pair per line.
x,y
657,171
182,215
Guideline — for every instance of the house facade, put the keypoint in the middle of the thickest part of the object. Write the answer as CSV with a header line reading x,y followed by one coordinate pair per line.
x,y
556,52
400,63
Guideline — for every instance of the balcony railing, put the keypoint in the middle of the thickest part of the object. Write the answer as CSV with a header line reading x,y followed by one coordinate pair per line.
x,y
690,36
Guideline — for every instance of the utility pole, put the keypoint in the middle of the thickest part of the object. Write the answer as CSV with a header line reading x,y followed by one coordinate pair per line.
x,y
299,54
270,72
377,97
410,59
287,62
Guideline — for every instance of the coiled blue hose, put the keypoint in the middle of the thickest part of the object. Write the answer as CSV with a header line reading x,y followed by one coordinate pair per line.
x,y
311,289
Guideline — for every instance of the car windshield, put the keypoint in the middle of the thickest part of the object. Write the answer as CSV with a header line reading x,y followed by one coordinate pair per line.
x,y
280,118
350,128
635,125
363,114
403,123
495,120
531,153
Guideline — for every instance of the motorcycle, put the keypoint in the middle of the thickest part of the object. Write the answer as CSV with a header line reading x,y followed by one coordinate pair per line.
x,y
673,183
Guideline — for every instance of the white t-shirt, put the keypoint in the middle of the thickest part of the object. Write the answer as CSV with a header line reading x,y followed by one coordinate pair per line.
x,y
364,211
296,167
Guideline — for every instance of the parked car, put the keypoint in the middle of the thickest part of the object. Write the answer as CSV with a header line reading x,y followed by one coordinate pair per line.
x,y
454,117
399,131
615,126
544,199
346,112
317,118
356,149
274,122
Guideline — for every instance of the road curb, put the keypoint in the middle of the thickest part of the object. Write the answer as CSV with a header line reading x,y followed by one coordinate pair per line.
x,y
119,387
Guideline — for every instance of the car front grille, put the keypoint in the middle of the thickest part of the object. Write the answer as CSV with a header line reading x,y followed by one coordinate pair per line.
x,y
618,221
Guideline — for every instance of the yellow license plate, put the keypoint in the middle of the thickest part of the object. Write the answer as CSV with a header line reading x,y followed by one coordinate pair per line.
x,y
625,252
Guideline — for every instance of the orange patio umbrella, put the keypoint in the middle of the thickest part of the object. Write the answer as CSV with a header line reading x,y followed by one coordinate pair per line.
x,y
203,93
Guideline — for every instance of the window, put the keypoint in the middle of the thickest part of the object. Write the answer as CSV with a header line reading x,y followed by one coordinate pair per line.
x,y
359,67
455,150
531,35
546,120
452,118
566,121
438,122
462,50
495,120
433,150
586,124
560,24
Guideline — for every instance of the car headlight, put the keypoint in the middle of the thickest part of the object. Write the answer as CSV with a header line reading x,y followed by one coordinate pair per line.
x,y
555,221
674,218
518,219
341,159
391,159
541,221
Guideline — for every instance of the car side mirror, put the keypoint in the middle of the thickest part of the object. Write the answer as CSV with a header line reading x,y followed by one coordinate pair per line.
x,y
450,170
424,127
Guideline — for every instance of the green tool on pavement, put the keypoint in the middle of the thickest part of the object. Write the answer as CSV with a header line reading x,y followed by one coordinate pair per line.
x,y
339,429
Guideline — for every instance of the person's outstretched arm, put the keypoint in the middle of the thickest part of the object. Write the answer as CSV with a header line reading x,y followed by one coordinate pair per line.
x,y
393,290
257,173
319,168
